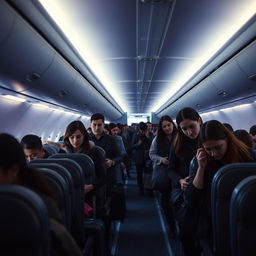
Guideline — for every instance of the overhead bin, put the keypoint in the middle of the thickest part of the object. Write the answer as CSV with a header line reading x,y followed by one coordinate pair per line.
x,y
228,83
23,53
29,64
247,60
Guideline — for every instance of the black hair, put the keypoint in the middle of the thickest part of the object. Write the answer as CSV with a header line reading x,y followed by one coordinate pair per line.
x,y
245,137
31,141
185,113
97,116
112,125
11,153
143,126
253,130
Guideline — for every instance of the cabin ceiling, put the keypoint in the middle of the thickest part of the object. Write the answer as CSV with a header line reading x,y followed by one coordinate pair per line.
x,y
143,51
144,48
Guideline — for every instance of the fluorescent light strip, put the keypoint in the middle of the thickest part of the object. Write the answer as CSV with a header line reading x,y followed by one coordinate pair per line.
x,y
40,106
67,23
223,34
15,98
226,109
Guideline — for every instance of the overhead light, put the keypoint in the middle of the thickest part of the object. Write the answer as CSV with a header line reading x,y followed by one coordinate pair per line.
x,y
40,105
235,107
210,113
216,39
15,98
86,48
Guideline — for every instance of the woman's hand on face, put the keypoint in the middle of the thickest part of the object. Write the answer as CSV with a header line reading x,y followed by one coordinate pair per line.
x,y
202,158
165,161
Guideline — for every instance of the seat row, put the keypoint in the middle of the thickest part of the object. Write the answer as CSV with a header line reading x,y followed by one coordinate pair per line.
x,y
233,200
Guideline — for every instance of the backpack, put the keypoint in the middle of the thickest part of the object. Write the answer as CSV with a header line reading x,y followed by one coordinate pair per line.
x,y
117,203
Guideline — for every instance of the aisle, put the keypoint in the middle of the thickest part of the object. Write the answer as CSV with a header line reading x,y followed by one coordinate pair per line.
x,y
141,233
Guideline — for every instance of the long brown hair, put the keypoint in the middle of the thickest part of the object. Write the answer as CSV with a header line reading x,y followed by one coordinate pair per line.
x,y
237,151
71,128
185,113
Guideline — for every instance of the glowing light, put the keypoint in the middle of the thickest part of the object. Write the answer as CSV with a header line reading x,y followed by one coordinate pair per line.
x,y
15,98
67,23
40,106
216,39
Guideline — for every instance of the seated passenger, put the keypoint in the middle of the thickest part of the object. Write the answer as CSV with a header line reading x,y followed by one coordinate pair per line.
x,y
245,137
33,147
76,140
218,147
14,171
253,134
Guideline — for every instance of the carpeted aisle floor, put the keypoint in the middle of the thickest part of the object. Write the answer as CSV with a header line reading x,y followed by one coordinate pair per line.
x,y
141,233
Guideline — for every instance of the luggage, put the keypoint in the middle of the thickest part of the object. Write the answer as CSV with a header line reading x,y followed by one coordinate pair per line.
x,y
117,203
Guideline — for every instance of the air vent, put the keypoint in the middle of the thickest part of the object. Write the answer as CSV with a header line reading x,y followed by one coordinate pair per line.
x,y
252,77
222,94
63,93
32,77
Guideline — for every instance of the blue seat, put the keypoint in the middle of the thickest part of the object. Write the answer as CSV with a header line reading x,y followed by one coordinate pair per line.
x,y
24,223
61,191
223,185
77,180
84,161
242,218
51,150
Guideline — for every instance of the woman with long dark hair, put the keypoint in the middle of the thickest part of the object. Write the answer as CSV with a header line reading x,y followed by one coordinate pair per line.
x,y
158,153
218,147
182,152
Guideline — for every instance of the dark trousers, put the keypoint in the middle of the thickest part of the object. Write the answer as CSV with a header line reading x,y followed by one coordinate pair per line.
x,y
140,169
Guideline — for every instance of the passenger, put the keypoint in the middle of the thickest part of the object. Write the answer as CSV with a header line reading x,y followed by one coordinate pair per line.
x,y
218,147
245,137
141,144
108,143
14,171
253,134
76,140
184,149
115,131
159,154
33,147
228,126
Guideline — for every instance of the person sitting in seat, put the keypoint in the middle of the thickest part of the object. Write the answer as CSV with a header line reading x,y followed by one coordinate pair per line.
x,y
33,147
15,171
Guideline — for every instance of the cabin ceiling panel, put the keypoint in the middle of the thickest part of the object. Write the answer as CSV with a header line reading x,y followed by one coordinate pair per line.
x,y
119,69
108,27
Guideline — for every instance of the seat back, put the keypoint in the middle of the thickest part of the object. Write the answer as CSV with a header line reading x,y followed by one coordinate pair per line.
x,y
51,150
242,218
24,223
77,178
84,161
223,185
61,191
